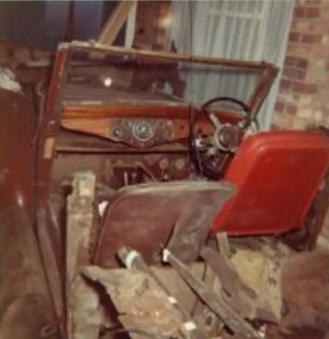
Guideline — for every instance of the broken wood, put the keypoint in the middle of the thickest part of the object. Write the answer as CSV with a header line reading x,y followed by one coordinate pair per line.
x,y
224,269
83,320
143,308
223,310
223,244
133,259
115,22
260,270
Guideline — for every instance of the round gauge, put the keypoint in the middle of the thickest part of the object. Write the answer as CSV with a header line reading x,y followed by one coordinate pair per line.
x,y
143,130
117,132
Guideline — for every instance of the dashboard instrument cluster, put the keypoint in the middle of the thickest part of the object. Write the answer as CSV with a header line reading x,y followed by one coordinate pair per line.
x,y
141,133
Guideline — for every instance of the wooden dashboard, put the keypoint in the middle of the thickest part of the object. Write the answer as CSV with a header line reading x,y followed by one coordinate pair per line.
x,y
137,126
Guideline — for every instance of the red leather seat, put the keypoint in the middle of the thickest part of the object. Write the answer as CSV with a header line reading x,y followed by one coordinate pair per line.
x,y
277,175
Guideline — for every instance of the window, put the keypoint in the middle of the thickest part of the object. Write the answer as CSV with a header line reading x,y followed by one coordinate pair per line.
x,y
249,30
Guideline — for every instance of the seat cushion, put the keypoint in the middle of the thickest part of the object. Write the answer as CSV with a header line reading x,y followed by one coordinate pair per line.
x,y
277,175
150,217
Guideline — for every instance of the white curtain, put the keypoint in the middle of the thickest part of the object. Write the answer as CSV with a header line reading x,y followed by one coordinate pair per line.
x,y
241,29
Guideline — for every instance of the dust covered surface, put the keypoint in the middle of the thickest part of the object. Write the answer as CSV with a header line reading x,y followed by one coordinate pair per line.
x,y
305,289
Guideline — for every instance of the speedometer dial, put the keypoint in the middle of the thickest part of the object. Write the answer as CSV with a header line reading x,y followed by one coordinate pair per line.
x,y
143,130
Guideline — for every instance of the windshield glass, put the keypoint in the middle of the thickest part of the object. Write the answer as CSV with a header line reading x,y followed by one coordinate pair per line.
x,y
110,78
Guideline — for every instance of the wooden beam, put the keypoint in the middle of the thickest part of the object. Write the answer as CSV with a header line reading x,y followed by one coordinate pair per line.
x,y
115,22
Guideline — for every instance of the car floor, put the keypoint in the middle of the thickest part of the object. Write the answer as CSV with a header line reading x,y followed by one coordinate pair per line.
x,y
305,288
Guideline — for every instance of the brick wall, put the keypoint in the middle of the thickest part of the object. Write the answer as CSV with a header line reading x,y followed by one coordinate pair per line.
x,y
304,87
303,93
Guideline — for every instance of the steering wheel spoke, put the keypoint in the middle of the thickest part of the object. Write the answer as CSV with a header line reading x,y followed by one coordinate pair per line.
x,y
217,149
215,121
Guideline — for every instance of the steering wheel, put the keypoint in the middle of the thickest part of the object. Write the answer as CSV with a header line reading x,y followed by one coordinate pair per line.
x,y
211,154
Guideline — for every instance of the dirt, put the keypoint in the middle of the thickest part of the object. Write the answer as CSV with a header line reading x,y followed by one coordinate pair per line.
x,y
305,289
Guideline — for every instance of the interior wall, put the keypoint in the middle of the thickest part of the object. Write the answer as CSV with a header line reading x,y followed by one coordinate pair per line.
x,y
44,24
303,94
24,22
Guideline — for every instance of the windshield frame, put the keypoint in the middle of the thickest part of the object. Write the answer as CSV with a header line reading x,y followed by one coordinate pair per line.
x,y
265,72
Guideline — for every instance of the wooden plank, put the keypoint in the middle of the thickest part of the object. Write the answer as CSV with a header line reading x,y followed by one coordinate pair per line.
x,y
79,225
214,301
248,66
115,22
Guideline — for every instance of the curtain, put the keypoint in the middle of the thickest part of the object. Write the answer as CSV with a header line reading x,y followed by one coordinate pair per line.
x,y
252,30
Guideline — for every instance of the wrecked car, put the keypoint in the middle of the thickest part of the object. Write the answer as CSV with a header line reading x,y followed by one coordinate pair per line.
x,y
121,194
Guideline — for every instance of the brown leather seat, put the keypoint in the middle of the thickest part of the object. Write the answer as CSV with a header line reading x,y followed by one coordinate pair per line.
x,y
150,217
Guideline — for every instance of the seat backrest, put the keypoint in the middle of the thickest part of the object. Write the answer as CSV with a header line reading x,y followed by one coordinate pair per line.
x,y
149,217
277,175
